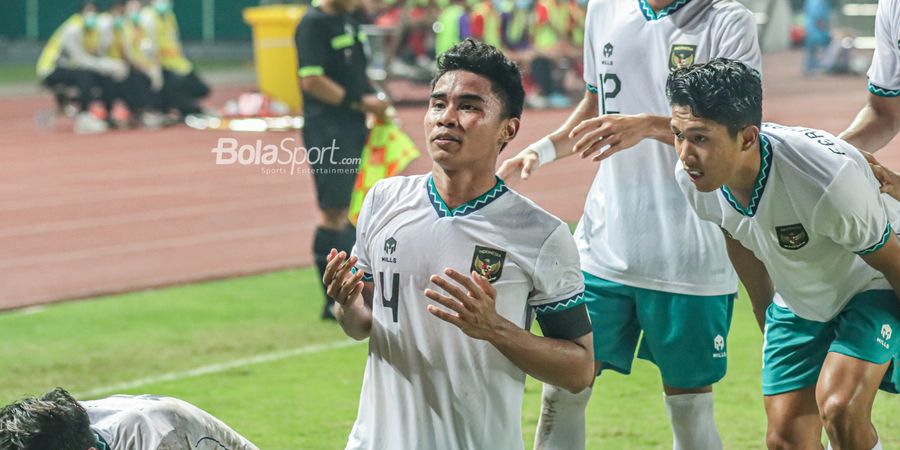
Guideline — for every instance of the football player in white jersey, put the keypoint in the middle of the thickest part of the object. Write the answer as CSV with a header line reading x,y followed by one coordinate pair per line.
x,y
879,120
56,421
450,266
637,287
803,215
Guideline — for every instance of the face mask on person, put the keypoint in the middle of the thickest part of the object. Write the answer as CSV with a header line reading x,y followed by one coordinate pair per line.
x,y
162,6
90,20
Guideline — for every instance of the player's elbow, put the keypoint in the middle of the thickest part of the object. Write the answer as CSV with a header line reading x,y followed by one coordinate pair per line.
x,y
310,83
581,374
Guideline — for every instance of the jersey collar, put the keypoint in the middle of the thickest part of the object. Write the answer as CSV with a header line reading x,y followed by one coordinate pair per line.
x,y
650,15
468,207
765,157
100,443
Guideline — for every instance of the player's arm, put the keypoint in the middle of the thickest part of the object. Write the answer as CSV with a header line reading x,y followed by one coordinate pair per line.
x,y
887,261
754,276
875,124
566,361
557,144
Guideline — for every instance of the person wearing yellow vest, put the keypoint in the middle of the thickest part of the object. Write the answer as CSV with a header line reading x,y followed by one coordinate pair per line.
x,y
182,88
120,38
70,59
449,29
550,28
486,23
516,28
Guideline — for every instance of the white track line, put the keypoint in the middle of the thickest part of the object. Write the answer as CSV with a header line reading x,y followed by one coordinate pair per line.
x,y
215,368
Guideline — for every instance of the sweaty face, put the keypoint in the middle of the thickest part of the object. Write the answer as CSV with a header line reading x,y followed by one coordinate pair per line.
x,y
464,124
708,153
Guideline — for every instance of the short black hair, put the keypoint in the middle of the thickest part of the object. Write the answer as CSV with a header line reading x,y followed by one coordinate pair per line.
x,y
485,60
53,421
723,90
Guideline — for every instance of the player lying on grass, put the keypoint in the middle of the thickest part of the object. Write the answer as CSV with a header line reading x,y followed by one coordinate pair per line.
x,y
450,266
122,422
802,213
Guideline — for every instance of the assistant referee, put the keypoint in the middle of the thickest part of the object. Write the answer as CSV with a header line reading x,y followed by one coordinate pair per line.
x,y
337,95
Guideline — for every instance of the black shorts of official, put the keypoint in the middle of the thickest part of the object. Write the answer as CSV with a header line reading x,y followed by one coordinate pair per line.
x,y
333,149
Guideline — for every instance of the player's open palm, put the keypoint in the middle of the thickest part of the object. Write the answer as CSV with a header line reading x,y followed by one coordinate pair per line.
x,y
521,165
616,132
473,301
341,284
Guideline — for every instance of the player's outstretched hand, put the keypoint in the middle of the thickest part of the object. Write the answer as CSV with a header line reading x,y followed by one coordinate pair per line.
x,y
890,180
341,284
522,165
616,132
473,301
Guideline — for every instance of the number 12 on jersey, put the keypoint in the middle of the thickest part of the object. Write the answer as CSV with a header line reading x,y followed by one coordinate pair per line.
x,y
609,89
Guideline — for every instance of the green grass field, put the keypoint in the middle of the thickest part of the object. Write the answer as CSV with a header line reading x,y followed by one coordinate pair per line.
x,y
305,396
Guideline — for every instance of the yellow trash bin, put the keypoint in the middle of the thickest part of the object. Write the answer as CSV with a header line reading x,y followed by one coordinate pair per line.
x,y
274,51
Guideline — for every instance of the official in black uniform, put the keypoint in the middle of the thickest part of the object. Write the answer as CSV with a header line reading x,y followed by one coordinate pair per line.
x,y
337,95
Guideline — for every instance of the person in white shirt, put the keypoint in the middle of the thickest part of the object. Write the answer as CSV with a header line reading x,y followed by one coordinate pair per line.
x,y
640,278
450,269
121,422
879,120
802,214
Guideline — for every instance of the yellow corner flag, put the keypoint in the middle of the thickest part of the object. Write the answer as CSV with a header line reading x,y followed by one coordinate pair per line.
x,y
387,152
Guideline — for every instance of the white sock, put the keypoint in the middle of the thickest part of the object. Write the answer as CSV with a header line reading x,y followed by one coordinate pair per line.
x,y
561,426
693,422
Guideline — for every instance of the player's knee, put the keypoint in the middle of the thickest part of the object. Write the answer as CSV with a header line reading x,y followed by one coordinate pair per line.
x,y
334,218
781,440
838,410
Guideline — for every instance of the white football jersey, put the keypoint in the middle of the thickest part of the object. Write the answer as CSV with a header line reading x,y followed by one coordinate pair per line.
x,y
636,225
427,385
884,73
815,208
148,422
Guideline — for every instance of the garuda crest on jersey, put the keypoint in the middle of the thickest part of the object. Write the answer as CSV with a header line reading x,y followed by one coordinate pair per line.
x,y
681,56
488,262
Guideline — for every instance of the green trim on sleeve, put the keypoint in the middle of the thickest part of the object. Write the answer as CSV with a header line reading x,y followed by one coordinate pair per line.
x,y
878,245
309,71
342,41
560,305
882,92
591,88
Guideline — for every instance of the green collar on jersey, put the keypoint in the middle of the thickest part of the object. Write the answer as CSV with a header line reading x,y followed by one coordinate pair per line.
x,y
649,14
468,207
100,443
765,166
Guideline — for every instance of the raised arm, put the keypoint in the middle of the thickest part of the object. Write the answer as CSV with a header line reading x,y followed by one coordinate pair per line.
x,y
557,144
875,124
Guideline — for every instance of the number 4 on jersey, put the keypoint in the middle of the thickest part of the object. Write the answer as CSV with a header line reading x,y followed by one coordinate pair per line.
x,y
394,302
